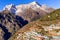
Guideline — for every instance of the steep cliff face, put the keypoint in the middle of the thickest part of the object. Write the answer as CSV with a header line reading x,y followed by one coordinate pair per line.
x,y
10,23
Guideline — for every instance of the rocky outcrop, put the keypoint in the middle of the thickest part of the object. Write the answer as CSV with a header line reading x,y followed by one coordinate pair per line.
x,y
1,34
29,15
10,23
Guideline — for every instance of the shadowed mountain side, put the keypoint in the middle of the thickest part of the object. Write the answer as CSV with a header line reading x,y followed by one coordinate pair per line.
x,y
10,23
29,15
23,22
7,34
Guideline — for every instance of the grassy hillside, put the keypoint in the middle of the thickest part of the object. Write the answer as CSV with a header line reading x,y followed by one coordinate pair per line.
x,y
52,16
39,26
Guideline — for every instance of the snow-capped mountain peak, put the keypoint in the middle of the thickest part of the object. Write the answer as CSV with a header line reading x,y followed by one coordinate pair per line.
x,y
10,7
35,3
20,8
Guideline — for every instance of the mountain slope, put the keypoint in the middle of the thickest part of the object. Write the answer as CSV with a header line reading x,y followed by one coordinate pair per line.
x,y
33,10
46,28
10,23
33,5
32,15
52,16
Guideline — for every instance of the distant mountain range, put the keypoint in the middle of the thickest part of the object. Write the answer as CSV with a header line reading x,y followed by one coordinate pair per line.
x,y
29,11
33,5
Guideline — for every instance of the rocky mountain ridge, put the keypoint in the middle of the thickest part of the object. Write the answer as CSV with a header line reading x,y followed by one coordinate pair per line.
x,y
33,10
9,24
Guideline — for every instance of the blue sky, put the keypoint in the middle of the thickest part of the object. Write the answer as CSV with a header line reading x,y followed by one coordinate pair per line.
x,y
50,3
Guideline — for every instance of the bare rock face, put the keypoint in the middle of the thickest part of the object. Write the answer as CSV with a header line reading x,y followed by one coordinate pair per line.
x,y
29,15
32,15
10,23
32,11
1,34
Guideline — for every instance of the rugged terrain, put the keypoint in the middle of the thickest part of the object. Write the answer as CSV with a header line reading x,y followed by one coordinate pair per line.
x,y
31,11
9,24
43,22
45,28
